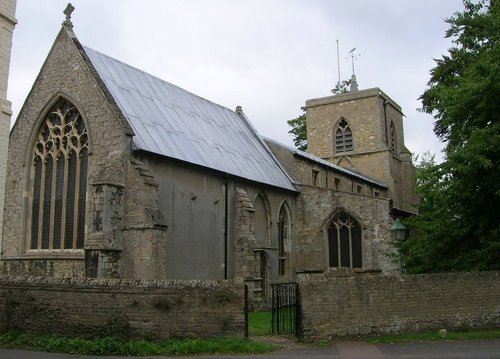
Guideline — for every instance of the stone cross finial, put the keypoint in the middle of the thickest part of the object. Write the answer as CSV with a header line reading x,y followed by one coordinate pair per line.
x,y
69,9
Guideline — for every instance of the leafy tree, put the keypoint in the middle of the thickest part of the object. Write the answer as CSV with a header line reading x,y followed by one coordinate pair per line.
x,y
298,124
459,225
431,246
299,131
341,87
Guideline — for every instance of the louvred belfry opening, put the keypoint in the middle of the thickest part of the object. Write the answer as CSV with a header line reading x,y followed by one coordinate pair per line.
x,y
59,175
343,137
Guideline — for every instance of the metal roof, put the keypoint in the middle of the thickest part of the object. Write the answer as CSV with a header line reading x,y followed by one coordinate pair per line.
x,y
173,122
328,164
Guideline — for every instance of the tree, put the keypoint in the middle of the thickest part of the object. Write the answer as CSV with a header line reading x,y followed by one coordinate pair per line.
x,y
298,124
341,87
459,226
431,246
299,131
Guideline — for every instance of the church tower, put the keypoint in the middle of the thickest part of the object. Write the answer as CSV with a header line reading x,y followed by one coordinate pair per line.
x,y
7,23
363,131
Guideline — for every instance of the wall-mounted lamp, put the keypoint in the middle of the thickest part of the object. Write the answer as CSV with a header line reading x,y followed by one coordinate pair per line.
x,y
398,230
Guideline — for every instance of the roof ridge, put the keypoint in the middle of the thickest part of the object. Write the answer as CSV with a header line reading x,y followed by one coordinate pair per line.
x,y
170,121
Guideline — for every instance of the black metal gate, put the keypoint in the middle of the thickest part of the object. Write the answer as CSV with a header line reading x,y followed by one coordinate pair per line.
x,y
286,313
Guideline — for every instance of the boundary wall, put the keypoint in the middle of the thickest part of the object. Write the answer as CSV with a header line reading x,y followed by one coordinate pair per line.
x,y
152,309
343,303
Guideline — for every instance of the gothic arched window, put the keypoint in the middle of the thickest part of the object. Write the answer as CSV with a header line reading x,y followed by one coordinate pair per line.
x,y
393,138
283,239
262,219
59,180
344,241
343,137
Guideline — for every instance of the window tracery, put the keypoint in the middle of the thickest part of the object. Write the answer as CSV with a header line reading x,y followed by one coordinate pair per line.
x,y
343,137
344,241
262,219
393,138
59,180
283,239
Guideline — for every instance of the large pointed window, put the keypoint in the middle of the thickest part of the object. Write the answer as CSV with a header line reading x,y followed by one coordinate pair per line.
x,y
59,180
343,137
283,239
344,242
262,220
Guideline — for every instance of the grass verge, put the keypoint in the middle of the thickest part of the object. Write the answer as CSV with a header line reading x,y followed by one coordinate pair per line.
x,y
114,346
436,336
259,323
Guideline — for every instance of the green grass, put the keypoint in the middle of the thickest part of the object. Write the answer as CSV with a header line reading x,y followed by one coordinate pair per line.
x,y
259,323
114,346
435,336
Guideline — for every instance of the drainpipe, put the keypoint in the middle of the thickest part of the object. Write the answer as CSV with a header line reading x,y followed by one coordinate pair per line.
x,y
384,103
226,223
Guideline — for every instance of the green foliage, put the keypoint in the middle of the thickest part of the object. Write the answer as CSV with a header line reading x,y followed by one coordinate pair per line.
x,y
114,346
259,323
422,251
435,336
458,228
299,131
341,87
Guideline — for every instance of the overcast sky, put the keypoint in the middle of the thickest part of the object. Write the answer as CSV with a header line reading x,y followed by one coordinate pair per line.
x,y
268,56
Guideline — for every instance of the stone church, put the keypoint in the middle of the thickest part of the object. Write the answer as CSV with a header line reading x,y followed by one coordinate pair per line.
x,y
115,173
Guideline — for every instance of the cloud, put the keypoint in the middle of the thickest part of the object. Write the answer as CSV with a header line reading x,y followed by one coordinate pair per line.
x,y
267,56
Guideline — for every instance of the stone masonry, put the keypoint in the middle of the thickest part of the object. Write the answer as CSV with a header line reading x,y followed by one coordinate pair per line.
x,y
7,23
247,260
323,192
370,114
116,184
106,133
123,308
342,303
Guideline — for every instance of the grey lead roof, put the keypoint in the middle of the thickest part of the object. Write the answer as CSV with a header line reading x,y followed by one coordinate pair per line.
x,y
173,122
333,166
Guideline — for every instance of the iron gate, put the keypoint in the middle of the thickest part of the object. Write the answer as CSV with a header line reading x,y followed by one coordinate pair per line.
x,y
286,313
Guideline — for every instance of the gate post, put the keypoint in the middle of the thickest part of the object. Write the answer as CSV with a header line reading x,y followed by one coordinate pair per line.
x,y
298,312
245,309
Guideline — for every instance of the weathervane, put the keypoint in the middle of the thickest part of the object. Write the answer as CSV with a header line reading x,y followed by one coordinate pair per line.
x,y
69,9
353,56
353,82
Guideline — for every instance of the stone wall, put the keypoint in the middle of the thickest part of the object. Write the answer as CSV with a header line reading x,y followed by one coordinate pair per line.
x,y
108,135
369,114
125,235
128,308
342,303
7,23
314,212
334,191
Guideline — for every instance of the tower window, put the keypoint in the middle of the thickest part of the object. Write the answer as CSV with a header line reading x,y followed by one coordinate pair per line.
x,y
59,180
393,138
343,137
